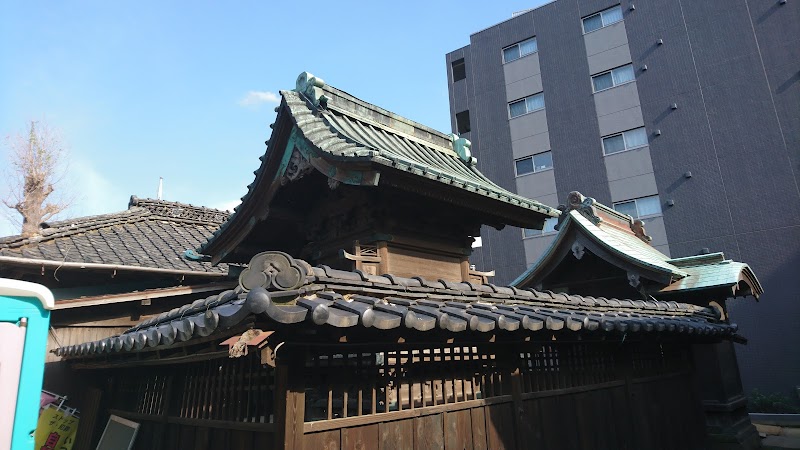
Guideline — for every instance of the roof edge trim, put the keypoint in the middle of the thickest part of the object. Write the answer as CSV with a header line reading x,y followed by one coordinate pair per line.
x,y
75,265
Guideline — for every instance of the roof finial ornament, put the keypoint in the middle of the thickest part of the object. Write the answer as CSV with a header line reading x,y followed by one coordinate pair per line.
x,y
637,226
311,86
462,148
584,205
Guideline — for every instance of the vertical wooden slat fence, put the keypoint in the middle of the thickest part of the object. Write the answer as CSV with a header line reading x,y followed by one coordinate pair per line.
x,y
590,395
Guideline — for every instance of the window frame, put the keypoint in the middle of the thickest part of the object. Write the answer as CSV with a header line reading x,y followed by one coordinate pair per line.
x,y
461,62
517,174
635,201
600,13
519,45
624,142
611,72
469,122
541,232
525,99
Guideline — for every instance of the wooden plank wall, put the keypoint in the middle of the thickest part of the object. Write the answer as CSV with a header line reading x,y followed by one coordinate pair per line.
x,y
656,413
479,428
566,397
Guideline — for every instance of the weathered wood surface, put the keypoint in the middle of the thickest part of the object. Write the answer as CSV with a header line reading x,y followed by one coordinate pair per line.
x,y
552,396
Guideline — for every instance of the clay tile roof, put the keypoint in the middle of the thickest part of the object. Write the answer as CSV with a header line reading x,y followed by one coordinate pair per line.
x,y
150,233
323,297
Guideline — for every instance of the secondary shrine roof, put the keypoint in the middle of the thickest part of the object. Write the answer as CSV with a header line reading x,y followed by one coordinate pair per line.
x,y
289,293
621,240
149,234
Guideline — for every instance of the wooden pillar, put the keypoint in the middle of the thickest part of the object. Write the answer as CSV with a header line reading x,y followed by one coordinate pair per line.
x,y
511,359
290,399
624,371
465,269
718,382
383,254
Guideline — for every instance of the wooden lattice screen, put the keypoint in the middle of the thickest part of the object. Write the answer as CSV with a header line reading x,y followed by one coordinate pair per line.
x,y
397,378
355,384
362,383
238,389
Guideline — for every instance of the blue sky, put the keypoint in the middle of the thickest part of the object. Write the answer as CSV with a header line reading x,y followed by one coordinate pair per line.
x,y
184,90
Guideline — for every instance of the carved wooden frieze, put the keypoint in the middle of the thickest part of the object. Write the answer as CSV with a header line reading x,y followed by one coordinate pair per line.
x,y
578,250
297,167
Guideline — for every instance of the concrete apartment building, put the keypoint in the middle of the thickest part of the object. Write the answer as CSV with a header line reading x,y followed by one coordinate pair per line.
x,y
685,114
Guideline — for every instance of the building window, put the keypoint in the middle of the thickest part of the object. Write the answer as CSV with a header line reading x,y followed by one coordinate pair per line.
x,y
613,77
624,141
462,122
459,70
535,163
549,227
640,207
602,19
520,49
526,105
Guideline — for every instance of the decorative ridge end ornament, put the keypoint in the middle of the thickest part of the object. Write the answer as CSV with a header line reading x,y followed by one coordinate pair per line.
x,y
577,202
274,271
311,87
637,226
462,148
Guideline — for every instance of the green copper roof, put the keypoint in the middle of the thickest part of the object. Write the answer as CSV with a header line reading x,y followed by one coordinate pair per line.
x,y
585,221
712,271
349,141
348,128
627,245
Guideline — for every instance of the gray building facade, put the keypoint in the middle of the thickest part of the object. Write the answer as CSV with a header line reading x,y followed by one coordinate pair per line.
x,y
683,113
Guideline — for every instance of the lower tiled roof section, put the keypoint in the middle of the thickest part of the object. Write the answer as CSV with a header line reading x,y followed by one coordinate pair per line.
x,y
150,233
340,299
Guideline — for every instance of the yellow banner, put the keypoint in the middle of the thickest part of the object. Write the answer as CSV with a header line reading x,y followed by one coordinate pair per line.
x,y
56,430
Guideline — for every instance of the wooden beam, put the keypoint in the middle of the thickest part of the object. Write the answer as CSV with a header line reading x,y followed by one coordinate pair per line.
x,y
152,362
146,294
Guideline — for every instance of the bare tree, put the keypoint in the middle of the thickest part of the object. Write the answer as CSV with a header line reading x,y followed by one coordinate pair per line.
x,y
35,164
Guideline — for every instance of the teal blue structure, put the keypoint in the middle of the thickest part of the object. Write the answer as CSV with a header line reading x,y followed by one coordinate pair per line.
x,y
32,302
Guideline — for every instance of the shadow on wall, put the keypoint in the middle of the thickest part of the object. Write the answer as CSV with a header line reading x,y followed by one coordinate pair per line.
x,y
770,362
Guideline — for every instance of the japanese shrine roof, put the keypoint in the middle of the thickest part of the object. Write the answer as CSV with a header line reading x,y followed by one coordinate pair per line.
x,y
588,223
713,271
149,234
289,293
354,142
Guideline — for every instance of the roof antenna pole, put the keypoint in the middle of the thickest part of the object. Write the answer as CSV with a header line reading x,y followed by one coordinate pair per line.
x,y
160,186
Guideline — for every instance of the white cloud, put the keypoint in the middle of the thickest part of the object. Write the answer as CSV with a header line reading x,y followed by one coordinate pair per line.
x,y
94,193
256,98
